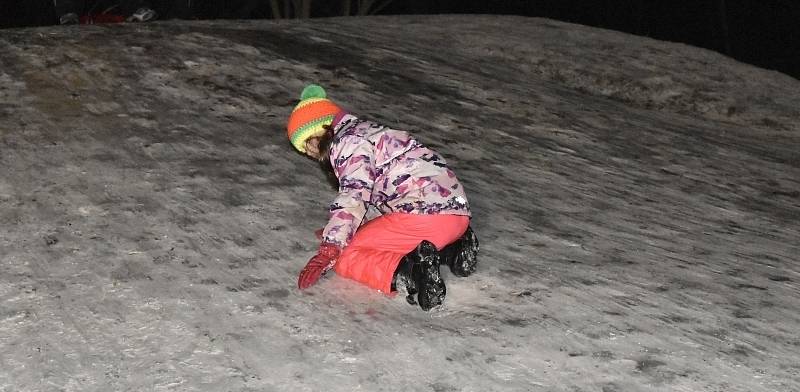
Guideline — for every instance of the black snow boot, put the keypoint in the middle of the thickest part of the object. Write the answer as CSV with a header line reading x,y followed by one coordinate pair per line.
x,y
462,255
419,271
402,277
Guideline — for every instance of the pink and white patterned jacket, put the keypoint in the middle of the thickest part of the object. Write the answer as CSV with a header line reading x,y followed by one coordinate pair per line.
x,y
386,170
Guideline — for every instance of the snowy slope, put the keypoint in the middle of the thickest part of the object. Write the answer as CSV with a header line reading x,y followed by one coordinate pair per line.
x,y
637,201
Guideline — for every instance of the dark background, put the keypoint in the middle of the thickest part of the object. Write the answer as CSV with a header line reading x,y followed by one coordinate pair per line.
x,y
765,33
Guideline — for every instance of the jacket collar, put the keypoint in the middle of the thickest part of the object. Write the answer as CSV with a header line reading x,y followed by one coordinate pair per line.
x,y
342,121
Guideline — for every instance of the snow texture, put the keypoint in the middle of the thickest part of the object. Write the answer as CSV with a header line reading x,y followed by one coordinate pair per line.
x,y
637,202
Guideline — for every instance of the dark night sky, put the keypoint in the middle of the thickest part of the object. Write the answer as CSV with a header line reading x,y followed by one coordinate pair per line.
x,y
765,33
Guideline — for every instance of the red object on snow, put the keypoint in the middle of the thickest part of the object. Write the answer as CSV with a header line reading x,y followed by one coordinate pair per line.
x,y
318,265
101,18
378,246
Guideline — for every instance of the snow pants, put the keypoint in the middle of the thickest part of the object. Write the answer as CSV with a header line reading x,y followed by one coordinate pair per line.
x,y
379,245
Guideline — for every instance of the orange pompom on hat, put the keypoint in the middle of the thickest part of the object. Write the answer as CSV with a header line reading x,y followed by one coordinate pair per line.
x,y
310,115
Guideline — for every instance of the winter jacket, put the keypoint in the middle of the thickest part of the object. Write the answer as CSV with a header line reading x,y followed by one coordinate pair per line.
x,y
387,170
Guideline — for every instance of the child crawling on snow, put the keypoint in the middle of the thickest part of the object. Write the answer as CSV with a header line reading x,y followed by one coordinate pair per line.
x,y
423,218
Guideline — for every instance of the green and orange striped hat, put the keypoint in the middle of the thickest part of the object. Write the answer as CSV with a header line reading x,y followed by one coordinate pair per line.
x,y
310,115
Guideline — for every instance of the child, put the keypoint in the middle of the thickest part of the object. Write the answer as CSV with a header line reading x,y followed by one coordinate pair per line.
x,y
422,212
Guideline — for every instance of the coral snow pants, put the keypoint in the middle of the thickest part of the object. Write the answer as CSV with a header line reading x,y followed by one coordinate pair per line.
x,y
379,245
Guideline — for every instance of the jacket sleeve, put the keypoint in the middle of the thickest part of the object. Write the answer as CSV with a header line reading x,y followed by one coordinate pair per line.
x,y
352,161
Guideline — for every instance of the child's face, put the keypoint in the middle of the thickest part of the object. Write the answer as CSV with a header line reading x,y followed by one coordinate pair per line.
x,y
312,147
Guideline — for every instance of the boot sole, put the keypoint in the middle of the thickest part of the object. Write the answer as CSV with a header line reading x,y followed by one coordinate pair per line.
x,y
431,286
466,262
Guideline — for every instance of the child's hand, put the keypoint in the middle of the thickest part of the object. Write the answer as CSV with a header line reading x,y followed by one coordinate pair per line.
x,y
318,233
318,265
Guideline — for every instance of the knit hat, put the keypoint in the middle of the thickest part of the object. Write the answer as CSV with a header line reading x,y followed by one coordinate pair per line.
x,y
309,116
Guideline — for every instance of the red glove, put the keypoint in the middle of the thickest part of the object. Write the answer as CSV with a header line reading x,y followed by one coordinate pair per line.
x,y
318,265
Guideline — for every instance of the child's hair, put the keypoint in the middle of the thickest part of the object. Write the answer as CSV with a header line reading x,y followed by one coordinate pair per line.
x,y
325,156
325,144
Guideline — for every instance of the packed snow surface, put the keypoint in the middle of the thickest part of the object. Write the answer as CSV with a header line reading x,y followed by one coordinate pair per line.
x,y
637,202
